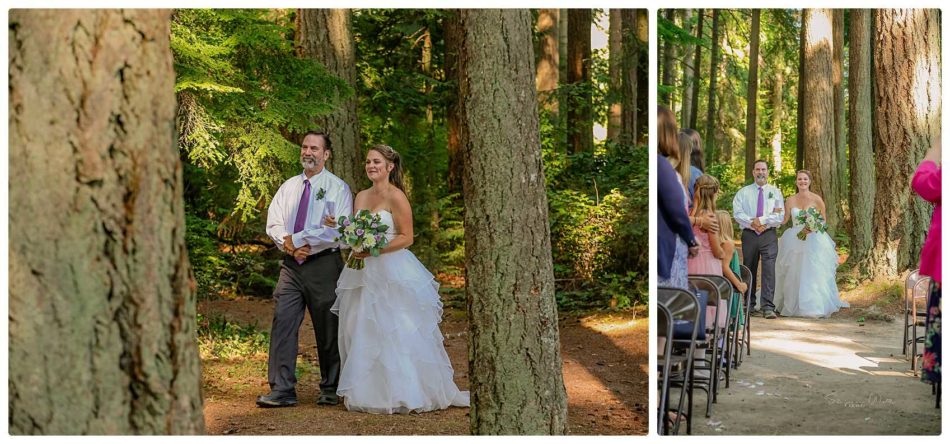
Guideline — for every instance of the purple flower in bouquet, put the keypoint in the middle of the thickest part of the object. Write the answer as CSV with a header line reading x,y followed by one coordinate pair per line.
x,y
362,232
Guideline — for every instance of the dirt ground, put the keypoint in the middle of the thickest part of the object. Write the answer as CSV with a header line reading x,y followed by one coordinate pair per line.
x,y
605,373
822,377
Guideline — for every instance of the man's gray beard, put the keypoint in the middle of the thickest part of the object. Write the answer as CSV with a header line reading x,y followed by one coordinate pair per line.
x,y
308,164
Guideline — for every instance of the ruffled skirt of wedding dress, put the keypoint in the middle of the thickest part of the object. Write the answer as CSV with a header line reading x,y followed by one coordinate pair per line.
x,y
805,275
391,348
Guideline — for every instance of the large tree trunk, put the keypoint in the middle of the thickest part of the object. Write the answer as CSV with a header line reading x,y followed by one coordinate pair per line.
x,y
452,118
326,35
546,79
859,135
580,121
907,61
562,32
841,160
516,382
711,156
615,61
669,76
102,312
800,117
819,109
752,94
630,48
643,74
687,67
697,67
778,116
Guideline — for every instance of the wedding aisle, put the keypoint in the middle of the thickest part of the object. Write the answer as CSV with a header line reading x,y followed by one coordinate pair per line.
x,y
822,376
605,365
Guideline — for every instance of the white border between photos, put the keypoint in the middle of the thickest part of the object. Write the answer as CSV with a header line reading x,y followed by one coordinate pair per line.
x,y
652,8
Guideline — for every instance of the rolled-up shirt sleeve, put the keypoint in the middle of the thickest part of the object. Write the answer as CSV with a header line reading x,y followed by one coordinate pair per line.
x,y
321,237
738,211
773,219
276,226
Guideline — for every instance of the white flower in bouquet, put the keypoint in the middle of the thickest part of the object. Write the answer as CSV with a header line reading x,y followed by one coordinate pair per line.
x,y
362,232
812,221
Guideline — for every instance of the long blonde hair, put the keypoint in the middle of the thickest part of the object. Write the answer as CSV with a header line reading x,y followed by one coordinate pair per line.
x,y
705,194
725,226
686,150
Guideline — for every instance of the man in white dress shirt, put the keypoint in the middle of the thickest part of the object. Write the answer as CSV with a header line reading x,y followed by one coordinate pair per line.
x,y
308,273
759,208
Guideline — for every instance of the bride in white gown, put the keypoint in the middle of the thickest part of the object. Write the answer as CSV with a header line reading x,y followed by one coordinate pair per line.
x,y
805,270
390,344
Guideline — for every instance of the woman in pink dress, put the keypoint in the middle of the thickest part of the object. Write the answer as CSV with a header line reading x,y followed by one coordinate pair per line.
x,y
709,259
926,183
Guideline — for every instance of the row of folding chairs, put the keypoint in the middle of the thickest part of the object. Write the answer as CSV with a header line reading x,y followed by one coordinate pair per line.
x,y
916,293
705,331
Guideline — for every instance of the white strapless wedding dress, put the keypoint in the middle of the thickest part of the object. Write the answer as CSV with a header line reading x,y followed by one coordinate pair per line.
x,y
805,274
391,348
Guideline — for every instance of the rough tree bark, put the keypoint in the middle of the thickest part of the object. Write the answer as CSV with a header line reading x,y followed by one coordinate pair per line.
x,y
514,356
630,47
860,134
710,139
546,79
819,108
697,67
841,160
687,67
326,35
102,312
615,62
669,74
800,117
580,121
778,116
643,74
908,109
752,94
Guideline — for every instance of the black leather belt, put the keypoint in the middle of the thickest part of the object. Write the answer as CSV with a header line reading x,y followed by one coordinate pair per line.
x,y
326,252
749,229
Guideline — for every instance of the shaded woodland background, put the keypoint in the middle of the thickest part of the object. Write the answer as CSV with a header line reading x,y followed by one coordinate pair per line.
x,y
250,81
853,95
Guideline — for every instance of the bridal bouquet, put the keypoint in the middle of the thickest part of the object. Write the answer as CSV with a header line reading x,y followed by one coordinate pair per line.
x,y
362,232
812,220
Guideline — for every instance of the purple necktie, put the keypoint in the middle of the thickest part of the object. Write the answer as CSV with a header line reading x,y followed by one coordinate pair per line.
x,y
760,207
302,209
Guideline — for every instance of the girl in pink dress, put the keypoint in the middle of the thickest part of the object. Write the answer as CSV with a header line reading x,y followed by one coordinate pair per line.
x,y
708,261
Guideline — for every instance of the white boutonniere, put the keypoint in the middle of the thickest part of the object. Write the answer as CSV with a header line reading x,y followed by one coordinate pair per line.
x,y
320,194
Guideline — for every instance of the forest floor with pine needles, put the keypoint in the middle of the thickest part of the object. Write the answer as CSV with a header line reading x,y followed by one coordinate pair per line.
x,y
604,363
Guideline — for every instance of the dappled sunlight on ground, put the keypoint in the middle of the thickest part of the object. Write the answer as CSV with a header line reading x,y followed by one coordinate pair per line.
x,y
822,377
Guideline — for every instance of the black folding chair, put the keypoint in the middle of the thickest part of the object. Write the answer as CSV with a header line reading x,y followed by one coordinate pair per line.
x,y
707,342
664,329
726,294
684,309
746,342
916,292
720,291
